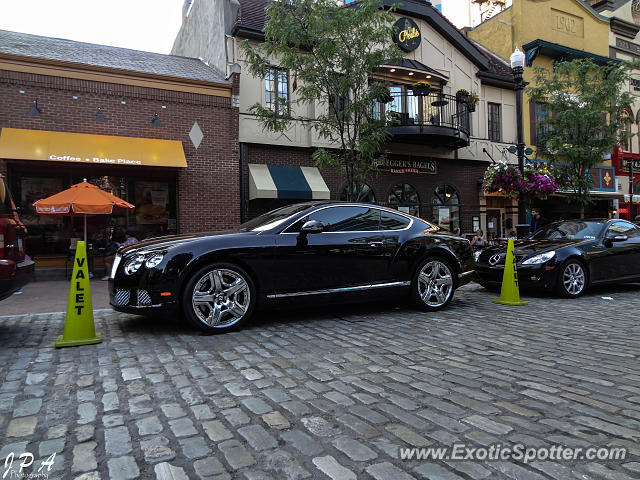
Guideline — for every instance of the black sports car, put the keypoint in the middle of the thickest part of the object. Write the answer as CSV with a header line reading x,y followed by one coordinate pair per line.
x,y
568,256
318,250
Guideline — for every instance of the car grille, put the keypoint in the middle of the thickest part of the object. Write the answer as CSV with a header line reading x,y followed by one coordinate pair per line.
x,y
121,298
144,298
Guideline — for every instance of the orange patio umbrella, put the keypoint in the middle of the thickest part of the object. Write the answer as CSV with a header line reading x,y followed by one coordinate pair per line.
x,y
80,199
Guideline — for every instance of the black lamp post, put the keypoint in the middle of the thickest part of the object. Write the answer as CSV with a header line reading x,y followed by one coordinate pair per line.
x,y
517,67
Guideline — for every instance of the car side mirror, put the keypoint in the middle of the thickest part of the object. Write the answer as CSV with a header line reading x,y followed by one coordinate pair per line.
x,y
617,238
312,226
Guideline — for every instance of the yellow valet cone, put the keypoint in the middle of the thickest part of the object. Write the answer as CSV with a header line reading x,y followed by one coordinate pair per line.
x,y
510,293
78,326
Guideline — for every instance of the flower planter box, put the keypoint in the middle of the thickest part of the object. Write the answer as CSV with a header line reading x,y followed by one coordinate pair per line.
x,y
421,91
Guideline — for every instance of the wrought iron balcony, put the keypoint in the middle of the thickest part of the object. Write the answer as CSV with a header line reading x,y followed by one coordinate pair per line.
x,y
434,119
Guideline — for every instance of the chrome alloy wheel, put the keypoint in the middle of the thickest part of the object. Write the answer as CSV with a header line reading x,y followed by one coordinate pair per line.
x,y
573,279
435,283
221,298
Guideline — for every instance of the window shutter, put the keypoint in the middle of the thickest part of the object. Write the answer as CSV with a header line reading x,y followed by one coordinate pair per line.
x,y
533,127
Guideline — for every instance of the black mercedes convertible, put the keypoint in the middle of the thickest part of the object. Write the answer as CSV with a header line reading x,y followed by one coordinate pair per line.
x,y
568,256
320,250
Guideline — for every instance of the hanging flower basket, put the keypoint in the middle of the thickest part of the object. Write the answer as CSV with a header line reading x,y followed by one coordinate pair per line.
x,y
504,178
462,95
421,88
385,98
472,100
539,182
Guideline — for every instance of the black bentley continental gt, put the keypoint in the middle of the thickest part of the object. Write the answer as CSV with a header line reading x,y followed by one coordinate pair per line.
x,y
320,250
568,256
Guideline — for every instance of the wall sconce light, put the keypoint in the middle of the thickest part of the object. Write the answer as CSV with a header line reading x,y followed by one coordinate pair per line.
x,y
410,73
156,121
392,70
99,117
34,111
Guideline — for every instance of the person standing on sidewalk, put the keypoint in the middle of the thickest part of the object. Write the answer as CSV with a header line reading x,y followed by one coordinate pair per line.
x,y
111,249
538,221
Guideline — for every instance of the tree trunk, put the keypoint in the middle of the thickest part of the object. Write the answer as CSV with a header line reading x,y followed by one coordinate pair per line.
x,y
582,210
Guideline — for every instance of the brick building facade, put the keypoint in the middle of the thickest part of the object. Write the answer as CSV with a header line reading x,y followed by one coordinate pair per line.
x,y
442,148
183,92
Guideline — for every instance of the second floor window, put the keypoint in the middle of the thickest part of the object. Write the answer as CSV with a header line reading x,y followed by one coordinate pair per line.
x,y
276,87
494,122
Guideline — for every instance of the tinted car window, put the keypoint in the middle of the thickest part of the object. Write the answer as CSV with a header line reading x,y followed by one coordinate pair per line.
x,y
272,218
623,228
389,221
343,219
569,230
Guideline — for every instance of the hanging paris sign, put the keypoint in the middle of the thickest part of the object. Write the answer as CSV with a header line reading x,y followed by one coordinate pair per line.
x,y
406,34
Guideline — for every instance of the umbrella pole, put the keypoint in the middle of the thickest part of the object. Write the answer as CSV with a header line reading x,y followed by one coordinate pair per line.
x,y
85,231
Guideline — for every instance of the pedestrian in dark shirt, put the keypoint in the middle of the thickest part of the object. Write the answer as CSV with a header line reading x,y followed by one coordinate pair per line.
x,y
538,221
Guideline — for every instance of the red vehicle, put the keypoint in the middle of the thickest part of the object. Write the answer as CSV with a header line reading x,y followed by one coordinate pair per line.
x,y
16,269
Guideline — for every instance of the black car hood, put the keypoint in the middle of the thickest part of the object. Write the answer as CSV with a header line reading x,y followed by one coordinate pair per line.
x,y
527,247
169,241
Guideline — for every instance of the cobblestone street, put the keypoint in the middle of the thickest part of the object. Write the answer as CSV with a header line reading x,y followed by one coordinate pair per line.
x,y
329,393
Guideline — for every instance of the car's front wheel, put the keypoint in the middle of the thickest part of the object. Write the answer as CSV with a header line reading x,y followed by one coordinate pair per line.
x,y
572,280
219,298
432,286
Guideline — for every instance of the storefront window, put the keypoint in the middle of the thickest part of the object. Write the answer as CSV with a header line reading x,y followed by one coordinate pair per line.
x,y
446,207
636,188
155,212
404,197
366,195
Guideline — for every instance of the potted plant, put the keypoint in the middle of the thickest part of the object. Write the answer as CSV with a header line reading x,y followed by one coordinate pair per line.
x,y
472,101
385,96
539,182
504,178
462,95
421,88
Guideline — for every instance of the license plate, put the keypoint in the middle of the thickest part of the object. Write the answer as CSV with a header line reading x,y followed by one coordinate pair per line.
x,y
116,262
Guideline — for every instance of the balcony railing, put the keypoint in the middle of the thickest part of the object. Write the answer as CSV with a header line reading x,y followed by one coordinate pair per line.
x,y
436,117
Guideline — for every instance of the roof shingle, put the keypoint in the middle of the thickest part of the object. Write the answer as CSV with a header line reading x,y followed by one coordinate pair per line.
x,y
124,59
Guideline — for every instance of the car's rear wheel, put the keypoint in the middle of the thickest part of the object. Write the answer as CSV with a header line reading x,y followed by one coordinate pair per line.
x,y
219,298
432,286
572,279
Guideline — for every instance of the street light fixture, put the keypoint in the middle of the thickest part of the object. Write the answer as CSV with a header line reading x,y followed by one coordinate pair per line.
x,y
517,67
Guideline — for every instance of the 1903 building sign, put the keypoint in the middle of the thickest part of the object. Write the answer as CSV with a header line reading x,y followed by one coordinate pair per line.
x,y
395,165
406,34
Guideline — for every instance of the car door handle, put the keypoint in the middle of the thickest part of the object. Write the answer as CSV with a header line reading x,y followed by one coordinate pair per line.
x,y
376,244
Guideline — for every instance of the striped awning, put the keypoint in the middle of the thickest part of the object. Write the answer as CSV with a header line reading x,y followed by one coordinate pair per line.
x,y
284,181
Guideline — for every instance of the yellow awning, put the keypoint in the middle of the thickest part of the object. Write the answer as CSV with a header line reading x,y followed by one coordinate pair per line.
x,y
82,148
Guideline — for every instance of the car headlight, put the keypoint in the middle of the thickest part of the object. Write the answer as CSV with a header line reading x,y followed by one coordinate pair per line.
x,y
153,260
134,264
540,258
476,255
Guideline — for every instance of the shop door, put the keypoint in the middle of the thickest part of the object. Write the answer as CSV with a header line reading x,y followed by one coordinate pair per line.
x,y
494,224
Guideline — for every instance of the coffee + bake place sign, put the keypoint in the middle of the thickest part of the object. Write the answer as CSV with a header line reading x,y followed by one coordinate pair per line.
x,y
406,34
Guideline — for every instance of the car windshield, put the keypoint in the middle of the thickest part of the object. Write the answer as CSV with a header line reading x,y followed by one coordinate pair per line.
x,y
569,230
272,219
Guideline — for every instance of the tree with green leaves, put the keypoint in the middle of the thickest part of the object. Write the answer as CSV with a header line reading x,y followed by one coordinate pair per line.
x,y
333,52
585,119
